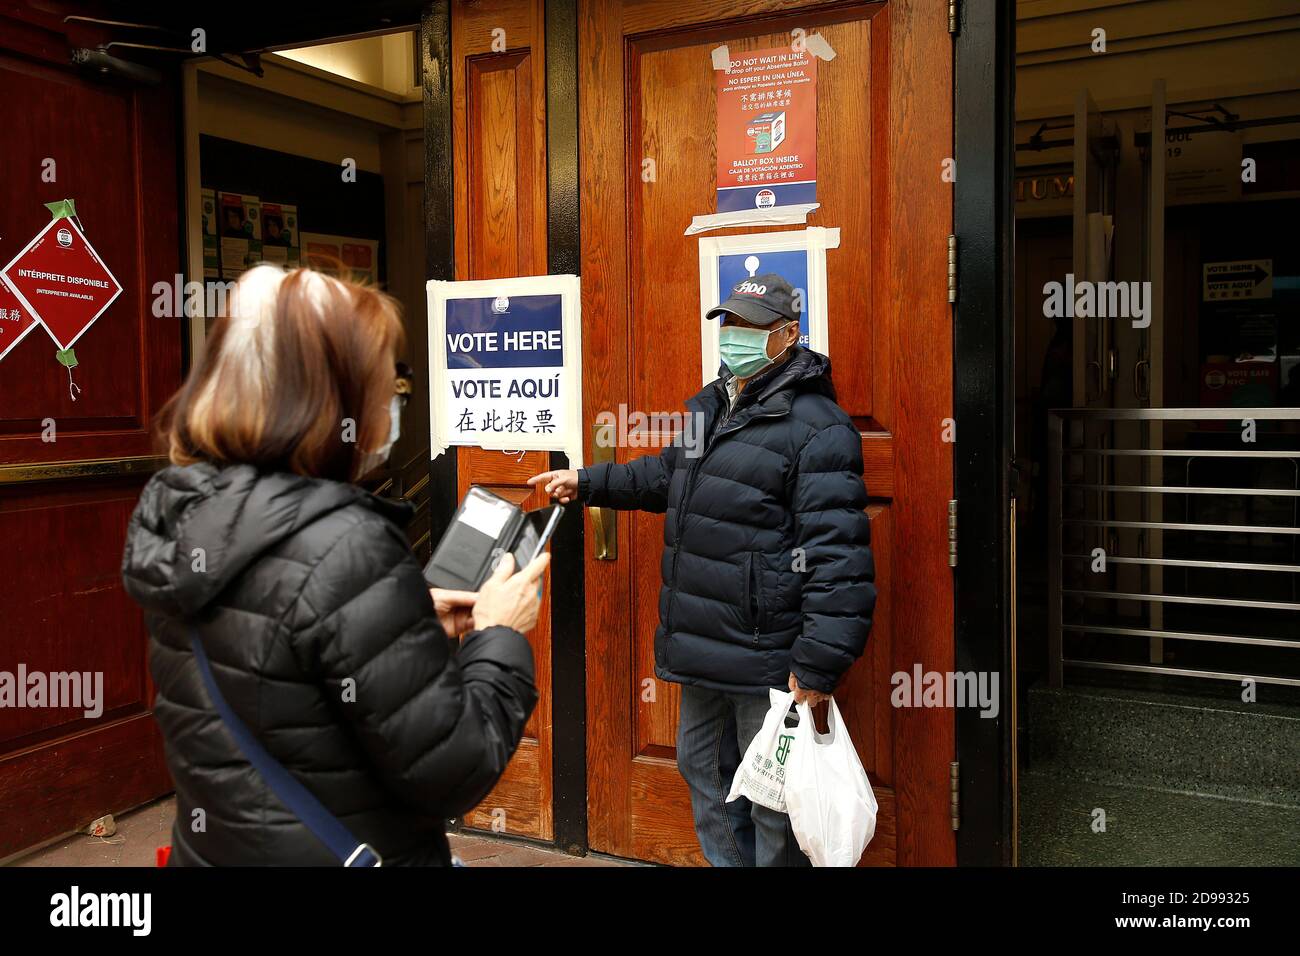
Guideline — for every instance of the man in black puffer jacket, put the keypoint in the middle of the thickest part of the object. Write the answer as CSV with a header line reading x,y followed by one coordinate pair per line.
x,y
324,641
767,567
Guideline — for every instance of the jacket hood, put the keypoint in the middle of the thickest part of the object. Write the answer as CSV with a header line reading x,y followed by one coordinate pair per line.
x,y
234,514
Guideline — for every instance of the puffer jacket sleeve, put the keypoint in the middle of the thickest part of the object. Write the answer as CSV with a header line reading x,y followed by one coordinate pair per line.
x,y
439,728
638,485
833,534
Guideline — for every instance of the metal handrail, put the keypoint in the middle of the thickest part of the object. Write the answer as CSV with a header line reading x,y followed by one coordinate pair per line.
x,y
1178,414
1103,516
1188,490
1182,526
1190,563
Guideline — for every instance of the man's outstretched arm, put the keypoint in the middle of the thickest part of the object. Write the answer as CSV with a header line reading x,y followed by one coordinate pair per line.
x,y
638,485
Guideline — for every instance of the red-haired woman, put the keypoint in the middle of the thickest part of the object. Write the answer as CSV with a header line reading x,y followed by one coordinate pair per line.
x,y
288,615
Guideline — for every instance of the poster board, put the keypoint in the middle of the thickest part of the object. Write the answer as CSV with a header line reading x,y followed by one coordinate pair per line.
x,y
797,256
323,252
240,227
505,365
280,235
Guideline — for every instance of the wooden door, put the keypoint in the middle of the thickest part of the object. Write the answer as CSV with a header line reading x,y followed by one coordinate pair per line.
x,y
883,133
499,145
64,503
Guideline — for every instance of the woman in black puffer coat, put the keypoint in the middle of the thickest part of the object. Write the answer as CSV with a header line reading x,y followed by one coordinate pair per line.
x,y
300,586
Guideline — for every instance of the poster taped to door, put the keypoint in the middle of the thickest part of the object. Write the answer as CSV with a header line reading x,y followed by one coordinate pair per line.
x,y
505,368
767,129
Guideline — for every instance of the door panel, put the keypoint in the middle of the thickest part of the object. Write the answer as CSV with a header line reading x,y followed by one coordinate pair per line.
x,y
68,500
499,145
883,115
521,802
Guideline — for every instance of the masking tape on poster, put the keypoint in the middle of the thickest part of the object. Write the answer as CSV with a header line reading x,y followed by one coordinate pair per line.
x,y
815,44
794,214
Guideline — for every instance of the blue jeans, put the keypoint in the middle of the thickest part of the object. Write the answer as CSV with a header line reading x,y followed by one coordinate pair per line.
x,y
713,730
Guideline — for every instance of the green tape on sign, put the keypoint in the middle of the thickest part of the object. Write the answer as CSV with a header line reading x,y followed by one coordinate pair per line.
x,y
63,209
67,358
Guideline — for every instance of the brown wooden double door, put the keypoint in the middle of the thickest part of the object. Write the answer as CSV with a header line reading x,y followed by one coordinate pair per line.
x,y
884,129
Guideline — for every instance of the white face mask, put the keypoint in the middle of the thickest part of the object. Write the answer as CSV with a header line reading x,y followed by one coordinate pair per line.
x,y
373,459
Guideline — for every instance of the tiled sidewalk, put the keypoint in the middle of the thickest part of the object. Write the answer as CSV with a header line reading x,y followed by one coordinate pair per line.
x,y
141,831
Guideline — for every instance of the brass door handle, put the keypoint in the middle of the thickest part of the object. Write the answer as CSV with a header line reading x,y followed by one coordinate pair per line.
x,y
603,520
605,523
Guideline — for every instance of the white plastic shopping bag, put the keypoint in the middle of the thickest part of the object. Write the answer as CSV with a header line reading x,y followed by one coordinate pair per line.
x,y
762,773
831,806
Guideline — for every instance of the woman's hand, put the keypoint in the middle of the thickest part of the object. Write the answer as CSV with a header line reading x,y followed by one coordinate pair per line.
x,y
561,485
455,610
508,599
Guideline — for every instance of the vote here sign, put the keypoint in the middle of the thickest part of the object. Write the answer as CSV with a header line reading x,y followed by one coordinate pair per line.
x,y
505,360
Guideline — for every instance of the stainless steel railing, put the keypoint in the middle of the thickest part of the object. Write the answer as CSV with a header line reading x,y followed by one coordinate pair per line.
x,y
1131,567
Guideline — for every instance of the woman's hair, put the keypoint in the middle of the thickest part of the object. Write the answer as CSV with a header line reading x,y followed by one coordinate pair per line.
x,y
297,376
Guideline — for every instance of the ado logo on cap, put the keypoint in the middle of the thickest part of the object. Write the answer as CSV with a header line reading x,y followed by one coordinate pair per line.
x,y
749,288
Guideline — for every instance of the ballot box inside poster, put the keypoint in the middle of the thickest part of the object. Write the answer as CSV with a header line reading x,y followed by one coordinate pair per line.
x,y
505,360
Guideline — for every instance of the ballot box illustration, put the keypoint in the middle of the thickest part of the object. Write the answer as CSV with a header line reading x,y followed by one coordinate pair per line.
x,y
767,131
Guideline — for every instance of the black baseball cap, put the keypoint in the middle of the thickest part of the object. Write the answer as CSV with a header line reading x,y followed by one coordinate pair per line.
x,y
761,300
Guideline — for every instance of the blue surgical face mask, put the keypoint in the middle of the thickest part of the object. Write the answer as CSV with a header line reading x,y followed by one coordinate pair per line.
x,y
744,351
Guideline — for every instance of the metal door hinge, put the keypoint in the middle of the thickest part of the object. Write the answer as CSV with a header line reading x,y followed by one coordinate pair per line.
x,y
952,269
954,796
952,16
952,532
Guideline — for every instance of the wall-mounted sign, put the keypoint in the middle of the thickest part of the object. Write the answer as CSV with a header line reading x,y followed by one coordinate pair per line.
x,y
767,129
60,279
359,257
505,367
211,244
1243,279
1044,191
15,320
798,257
1202,166
280,235
241,233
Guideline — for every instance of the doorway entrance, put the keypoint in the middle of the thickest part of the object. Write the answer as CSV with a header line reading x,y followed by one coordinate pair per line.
x,y
883,112
1158,602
